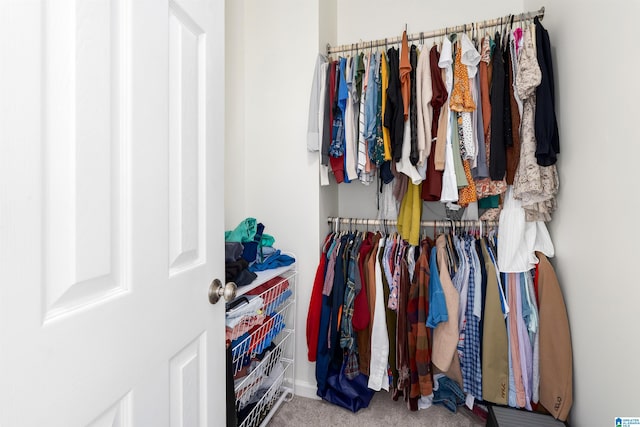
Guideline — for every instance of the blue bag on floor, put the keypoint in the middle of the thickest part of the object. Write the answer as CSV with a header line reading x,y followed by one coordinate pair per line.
x,y
350,394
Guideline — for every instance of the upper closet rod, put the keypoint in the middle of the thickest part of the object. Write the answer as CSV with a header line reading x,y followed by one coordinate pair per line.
x,y
443,31
393,222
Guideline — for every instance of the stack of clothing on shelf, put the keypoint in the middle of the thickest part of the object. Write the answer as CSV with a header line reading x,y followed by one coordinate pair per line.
x,y
253,320
248,250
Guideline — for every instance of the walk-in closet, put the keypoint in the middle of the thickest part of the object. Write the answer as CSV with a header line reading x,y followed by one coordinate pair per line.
x,y
320,212
349,29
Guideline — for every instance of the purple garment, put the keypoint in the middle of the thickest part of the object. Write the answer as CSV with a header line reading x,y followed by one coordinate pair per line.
x,y
524,343
328,279
386,261
392,304
512,400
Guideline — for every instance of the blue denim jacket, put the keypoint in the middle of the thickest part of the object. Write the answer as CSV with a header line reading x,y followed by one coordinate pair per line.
x,y
371,100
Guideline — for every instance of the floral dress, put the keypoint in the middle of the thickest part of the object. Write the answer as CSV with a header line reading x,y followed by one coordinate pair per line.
x,y
536,186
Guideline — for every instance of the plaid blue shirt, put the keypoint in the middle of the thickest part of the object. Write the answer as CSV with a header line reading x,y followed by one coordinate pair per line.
x,y
471,366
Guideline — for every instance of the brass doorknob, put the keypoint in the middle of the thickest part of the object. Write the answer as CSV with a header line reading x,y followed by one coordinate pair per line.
x,y
217,290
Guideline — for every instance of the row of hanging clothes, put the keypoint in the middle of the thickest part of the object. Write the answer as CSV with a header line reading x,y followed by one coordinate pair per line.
x,y
438,322
455,123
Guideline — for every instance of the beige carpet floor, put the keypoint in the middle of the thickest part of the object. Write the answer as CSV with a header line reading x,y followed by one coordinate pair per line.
x,y
382,411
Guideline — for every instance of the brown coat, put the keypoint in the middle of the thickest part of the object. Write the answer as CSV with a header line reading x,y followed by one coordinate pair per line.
x,y
368,285
446,334
556,356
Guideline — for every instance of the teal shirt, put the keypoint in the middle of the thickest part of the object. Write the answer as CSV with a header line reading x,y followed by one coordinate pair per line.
x,y
245,231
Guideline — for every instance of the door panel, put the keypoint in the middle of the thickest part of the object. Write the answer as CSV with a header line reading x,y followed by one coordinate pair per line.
x,y
84,154
111,223
118,415
188,385
187,139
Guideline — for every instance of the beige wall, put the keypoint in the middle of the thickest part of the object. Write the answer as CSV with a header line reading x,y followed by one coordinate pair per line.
x,y
271,48
235,71
595,48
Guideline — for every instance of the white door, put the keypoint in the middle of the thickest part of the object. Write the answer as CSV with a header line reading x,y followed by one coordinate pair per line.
x,y
111,180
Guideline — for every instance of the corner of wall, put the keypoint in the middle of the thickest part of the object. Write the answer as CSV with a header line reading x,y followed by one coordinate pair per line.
x,y
280,181
306,389
234,137
327,34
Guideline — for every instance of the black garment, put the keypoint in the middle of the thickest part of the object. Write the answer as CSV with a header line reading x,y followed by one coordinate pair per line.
x,y
483,287
246,411
385,173
245,278
232,251
238,272
506,115
327,125
232,416
359,75
394,111
498,160
546,126
337,299
413,107
236,303
232,269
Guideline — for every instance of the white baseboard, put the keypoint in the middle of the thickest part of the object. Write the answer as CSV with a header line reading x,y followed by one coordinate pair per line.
x,y
306,389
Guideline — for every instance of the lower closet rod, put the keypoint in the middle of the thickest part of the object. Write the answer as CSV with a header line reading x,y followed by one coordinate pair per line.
x,y
392,222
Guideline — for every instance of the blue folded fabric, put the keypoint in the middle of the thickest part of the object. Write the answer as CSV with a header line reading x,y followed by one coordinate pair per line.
x,y
278,325
273,306
449,394
275,260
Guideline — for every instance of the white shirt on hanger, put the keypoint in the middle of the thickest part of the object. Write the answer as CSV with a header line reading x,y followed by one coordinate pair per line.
x,y
518,240
446,61
470,55
378,376
449,184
